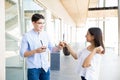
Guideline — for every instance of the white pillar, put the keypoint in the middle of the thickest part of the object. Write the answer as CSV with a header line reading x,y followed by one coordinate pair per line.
x,y
49,28
2,40
48,20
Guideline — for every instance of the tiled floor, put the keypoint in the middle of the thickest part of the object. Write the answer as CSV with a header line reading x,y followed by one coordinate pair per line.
x,y
109,68
67,69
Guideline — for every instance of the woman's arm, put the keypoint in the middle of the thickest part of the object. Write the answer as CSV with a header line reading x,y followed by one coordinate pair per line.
x,y
72,52
87,61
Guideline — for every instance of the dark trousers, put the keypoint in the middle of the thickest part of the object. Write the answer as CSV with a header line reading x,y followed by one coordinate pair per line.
x,y
38,74
83,78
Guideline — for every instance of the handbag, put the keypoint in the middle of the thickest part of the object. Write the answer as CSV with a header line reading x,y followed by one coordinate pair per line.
x,y
65,51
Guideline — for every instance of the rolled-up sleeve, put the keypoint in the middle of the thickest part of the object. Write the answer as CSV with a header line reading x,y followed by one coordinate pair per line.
x,y
24,46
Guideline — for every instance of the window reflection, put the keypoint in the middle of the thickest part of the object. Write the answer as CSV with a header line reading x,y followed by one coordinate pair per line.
x,y
12,29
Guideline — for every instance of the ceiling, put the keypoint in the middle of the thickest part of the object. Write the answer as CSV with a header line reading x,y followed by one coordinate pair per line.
x,y
78,10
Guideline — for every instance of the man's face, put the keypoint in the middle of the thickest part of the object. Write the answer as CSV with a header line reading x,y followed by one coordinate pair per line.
x,y
39,25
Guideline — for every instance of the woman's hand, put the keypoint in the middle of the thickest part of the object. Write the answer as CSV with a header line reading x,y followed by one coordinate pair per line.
x,y
98,49
62,44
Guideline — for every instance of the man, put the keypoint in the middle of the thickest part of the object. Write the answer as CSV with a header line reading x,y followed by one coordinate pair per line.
x,y
36,47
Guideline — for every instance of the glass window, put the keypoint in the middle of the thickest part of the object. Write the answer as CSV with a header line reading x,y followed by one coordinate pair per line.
x,y
12,28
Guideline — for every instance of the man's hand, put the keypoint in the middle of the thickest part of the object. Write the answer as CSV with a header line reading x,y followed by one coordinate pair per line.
x,y
41,49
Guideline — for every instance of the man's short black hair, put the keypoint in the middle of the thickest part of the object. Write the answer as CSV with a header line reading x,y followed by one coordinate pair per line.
x,y
36,17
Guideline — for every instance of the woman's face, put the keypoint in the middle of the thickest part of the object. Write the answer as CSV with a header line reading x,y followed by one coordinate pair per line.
x,y
39,25
89,37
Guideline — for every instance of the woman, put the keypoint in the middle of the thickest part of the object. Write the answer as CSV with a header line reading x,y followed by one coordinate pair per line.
x,y
90,57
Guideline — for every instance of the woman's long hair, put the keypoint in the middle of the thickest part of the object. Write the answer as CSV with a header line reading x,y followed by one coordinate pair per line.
x,y
98,38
